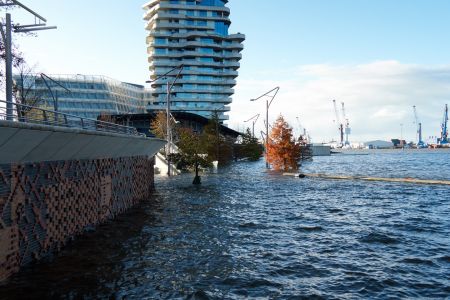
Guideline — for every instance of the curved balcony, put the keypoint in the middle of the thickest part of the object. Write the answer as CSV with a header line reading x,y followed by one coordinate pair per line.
x,y
220,82
162,90
163,15
175,107
222,74
168,25
188,62
184,54
165,5
151,43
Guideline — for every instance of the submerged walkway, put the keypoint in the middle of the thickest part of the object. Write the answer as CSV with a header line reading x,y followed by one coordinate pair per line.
x,y
365,178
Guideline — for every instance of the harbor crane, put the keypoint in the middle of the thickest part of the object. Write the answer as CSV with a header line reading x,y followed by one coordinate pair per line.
x,y
302,131
343,124
420,142
443,140
340,124
347,129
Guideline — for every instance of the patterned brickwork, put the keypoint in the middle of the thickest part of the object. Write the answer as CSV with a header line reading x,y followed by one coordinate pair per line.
x,y
44,205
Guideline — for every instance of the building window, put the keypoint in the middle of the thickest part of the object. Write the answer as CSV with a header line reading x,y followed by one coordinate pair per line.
x,y
160,41
207,40
206,50
221,28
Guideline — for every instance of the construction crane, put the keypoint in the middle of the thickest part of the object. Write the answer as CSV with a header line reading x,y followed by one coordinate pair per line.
x,y
347,129
443,140
340,125
420,142
303,134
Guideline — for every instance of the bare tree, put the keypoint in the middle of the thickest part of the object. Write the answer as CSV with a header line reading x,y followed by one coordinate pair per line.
x,y
24,89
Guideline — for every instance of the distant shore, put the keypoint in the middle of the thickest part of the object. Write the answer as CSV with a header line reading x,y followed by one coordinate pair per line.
x,y
406,150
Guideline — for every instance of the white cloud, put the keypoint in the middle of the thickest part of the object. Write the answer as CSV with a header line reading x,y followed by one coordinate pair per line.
x,y
378,97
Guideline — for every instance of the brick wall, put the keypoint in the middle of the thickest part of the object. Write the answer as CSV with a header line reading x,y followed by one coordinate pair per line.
x,y
44,205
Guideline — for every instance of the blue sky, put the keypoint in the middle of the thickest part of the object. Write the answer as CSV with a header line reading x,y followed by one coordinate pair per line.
x,y
378,56
345,31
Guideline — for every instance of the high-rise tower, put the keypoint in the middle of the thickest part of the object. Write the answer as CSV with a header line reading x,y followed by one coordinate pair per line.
x,y
192,33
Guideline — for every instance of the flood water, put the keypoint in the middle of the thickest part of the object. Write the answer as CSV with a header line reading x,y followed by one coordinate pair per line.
x,y
250,234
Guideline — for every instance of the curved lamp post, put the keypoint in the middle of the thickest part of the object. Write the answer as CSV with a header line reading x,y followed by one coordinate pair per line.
x,y
6,34
54,95
254,118
268,97
168,114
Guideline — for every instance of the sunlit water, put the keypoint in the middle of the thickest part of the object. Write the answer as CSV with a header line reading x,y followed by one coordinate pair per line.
x,y
248,233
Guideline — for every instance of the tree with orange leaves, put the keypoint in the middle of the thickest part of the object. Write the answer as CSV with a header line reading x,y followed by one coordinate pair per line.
x,y
283,151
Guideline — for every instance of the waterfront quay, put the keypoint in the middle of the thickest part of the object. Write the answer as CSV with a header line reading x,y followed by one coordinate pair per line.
x,y
63,175
148,187
259,235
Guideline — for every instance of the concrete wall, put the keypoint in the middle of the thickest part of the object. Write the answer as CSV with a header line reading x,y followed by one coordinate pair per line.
x,y
22,143
56,182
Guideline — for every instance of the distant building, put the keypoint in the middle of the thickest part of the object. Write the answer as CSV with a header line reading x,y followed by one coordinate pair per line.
x,y
397,143
89,96
378,144
196,122
193,33
320,150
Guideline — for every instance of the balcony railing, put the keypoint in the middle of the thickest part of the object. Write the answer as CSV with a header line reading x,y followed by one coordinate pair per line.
x,y
36,115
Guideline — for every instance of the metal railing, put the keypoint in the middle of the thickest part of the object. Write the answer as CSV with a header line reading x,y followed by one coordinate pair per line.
x,y
36,115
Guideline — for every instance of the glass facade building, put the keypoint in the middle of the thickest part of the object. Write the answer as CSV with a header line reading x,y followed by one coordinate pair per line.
x,y
192,33
89,96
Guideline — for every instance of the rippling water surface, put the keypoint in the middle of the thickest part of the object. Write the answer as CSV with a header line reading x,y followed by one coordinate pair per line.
x,y
248,233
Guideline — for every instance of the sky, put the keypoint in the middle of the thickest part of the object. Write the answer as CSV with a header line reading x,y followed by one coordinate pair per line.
x,y
379,57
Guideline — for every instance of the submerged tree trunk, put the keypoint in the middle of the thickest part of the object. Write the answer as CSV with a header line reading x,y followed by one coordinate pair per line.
x,y
197,178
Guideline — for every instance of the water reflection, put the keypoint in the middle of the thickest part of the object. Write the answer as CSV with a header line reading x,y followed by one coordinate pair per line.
x,y
250,233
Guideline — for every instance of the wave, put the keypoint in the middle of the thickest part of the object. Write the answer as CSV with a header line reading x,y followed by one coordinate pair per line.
x,y
198,295
379,238
309,228
417,261
445,258
252,225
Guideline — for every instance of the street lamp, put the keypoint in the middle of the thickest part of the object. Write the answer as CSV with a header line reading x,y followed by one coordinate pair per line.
x,y
39,24
55,95
168,114
254,118
275,90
